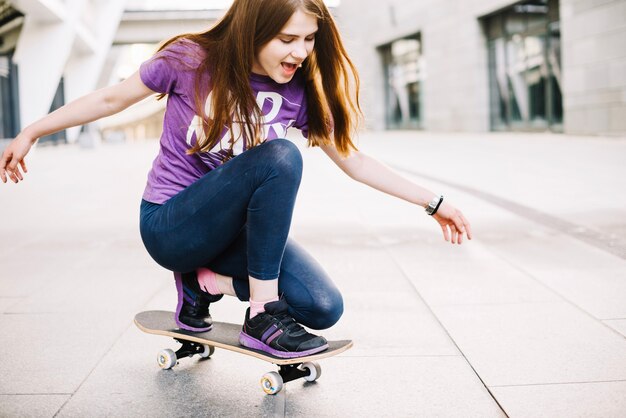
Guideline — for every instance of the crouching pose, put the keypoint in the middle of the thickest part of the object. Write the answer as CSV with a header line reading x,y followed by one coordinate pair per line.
x,y
219,198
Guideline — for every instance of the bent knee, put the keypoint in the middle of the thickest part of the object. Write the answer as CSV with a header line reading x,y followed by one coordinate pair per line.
x,y
285,155
326,313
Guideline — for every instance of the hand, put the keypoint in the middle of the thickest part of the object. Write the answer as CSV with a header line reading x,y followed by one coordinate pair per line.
x,y
13,158
453,223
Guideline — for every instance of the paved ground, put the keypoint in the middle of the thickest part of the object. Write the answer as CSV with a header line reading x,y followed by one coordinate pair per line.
x,y
527,320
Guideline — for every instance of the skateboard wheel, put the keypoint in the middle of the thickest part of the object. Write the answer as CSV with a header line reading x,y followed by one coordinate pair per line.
x,y
208,351
315,371
166,359
272,383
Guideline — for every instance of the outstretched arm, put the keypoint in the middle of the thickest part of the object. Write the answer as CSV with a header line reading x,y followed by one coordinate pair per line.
x,y
372,172
104,102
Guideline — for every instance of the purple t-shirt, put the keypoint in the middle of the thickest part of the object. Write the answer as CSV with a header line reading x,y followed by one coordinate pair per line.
x,y
172,71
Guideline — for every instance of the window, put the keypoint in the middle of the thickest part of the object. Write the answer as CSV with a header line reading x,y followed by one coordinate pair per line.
x,y
525,67
402,61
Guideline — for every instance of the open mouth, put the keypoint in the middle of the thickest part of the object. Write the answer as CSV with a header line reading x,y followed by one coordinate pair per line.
x,y
289,67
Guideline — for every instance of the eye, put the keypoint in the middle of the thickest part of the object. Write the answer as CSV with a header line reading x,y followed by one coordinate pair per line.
x,y
312,38
286,41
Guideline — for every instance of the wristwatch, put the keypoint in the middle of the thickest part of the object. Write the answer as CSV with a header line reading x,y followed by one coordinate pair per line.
x,y
433,205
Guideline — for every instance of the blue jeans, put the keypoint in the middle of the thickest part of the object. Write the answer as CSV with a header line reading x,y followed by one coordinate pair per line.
x,y
235,221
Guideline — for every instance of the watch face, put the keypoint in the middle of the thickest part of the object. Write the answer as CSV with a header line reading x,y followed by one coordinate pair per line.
x,y
432,205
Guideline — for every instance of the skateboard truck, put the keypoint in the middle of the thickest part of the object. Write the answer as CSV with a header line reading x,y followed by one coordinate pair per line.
x,y
189,348
167,358
272,382
291,372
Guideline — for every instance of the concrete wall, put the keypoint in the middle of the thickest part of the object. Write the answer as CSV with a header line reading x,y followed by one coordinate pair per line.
x,y
594,66
456,89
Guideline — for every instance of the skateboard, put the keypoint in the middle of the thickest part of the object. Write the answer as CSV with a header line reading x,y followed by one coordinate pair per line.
x,y
226,336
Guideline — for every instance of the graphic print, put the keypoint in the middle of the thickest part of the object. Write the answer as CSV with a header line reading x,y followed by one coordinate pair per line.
x,y
270,103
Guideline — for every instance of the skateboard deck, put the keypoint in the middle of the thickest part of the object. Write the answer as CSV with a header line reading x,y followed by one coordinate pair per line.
x,y
226,336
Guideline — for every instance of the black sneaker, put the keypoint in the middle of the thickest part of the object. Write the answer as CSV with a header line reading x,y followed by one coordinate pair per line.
x,y
277,333
192,310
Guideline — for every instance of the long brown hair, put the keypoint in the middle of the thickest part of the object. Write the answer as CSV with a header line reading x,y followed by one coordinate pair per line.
x,y
332,82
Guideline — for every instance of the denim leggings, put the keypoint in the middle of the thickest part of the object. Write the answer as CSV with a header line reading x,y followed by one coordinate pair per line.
x,y
235,221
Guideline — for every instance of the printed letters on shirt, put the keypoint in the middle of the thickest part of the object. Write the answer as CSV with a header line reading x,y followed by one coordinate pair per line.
x,y
271,129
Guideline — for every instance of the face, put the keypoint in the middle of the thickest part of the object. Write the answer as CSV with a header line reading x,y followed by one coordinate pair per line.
x,y
281,56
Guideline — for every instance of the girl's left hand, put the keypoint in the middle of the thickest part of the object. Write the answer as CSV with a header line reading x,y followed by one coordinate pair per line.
x,y
453,223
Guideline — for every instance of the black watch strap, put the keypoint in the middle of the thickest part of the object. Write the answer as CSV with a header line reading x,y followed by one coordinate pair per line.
x,y
433,205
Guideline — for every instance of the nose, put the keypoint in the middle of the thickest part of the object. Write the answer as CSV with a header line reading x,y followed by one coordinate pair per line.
x,y
299,51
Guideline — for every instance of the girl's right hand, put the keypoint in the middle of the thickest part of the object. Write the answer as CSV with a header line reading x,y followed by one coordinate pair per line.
x,y
13,158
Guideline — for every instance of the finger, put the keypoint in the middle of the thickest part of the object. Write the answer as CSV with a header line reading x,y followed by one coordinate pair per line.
x,y
451,232
458,223
23,164
12,163
10,174
10,169
13,177
454,235
3,164
446,234
468,228
465,226
460,238
16,171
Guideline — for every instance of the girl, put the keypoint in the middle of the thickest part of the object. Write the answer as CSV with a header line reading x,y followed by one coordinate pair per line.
x,y
219,199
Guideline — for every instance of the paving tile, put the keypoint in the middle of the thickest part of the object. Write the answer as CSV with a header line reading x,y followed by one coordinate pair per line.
x,y
535,343
512,166
617,324
473,275
549,251
27,406
94,290
128,382
573,400
599,291
354,269
7,303
54,353
39,264
392,387
586,276
21,277
390,324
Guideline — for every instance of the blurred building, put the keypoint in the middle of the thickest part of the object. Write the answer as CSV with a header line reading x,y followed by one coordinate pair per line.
x,y
447,65
480,65
51,50
54,51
